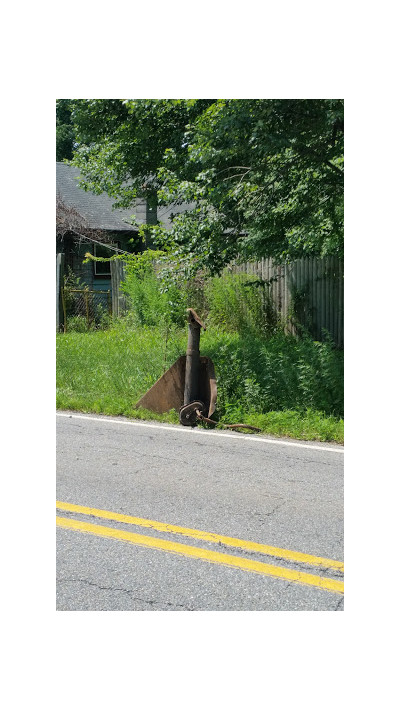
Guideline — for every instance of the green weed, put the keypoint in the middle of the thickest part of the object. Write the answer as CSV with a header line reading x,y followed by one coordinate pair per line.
x,y
285,386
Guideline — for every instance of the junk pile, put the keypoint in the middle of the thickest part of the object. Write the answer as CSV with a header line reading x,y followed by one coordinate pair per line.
x,y
189,386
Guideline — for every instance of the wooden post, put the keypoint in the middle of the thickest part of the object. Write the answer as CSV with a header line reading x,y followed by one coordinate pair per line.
x,y
60,261
114,287
86,292
118,299
64,309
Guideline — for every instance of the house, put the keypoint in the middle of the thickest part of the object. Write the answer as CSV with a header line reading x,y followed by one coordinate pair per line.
x,y
103,225
88,223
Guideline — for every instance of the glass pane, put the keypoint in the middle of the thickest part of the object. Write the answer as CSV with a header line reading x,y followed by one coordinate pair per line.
x,y
102,268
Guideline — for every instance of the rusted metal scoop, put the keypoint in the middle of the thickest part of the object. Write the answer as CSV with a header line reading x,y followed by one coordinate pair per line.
x,y
189,385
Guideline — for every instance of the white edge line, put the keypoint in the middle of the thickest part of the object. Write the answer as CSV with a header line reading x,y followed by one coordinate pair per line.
x,y
206,433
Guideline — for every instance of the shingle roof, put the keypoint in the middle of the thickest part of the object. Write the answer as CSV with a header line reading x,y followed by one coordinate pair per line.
x,y
97,210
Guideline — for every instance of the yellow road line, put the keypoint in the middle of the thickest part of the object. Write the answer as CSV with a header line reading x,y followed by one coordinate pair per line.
x,y
205,536
202,554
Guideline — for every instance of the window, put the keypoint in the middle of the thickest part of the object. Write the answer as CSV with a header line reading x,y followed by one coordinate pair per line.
x,y
102,268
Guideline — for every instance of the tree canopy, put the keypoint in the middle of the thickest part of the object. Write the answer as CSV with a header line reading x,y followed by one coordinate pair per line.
x,y
65,133
262,177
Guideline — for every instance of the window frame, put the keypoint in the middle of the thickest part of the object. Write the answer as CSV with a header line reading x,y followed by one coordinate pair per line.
x,y
102,265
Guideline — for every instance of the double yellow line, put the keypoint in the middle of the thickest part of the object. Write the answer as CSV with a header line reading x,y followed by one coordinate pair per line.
x,y
247,564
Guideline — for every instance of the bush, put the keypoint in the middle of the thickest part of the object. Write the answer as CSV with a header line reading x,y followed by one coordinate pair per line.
x,y
78,324
261,375
152,301
239,302
159,294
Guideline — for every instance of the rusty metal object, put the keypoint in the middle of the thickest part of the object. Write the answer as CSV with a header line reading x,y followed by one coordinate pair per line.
x,y
189,386
190,379
167,393
191,392
188,414
241,425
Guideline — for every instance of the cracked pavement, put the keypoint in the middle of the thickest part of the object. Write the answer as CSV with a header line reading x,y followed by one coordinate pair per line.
x,y
286,497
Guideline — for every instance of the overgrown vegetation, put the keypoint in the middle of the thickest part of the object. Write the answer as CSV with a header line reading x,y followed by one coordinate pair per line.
x,y
282,384
159,293
250,179
255,177
83,309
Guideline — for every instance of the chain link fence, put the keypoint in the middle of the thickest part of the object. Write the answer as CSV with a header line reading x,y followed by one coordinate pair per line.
x,y
86,310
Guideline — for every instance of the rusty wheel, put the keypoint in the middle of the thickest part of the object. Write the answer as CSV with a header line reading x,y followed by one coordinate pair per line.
x,y
188,414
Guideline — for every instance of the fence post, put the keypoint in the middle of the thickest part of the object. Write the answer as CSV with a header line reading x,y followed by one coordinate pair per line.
x,y
86,295
64,309
60,262
118,299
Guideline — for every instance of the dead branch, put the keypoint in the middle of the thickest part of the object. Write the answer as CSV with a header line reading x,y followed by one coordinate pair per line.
x,y
70,221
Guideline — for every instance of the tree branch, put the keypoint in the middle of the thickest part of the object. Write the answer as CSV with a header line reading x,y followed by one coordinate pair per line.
x,y
110,246
335,167
234,167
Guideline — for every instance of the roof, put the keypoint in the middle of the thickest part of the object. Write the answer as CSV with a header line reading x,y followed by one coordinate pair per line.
x,y
97,210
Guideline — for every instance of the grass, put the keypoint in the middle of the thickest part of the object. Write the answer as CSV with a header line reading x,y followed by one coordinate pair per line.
x,y
284,386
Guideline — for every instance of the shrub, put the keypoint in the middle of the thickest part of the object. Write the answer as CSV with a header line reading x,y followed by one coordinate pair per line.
x,y
78,324
159,293
152,300
281,372
240,302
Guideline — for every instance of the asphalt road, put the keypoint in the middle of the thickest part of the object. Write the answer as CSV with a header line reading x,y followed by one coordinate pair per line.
x,y
157,494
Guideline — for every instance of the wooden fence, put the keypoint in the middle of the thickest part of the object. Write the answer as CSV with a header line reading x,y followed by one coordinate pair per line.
x,y
118,297
307,292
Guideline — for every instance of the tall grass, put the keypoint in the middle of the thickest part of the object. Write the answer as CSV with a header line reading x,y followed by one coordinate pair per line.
x,y
278,373
112,368
282,384
239,303
152,302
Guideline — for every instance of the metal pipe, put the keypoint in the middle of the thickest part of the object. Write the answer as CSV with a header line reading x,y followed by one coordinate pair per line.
x,y
192,364
192,358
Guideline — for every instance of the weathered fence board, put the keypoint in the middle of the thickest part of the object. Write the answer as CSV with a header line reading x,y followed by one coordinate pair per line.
x,y
118,297
307,292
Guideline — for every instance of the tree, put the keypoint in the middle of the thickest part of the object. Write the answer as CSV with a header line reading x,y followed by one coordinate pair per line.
x,y
65,133
263,177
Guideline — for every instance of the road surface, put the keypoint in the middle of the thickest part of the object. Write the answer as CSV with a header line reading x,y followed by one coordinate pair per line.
x,y
162,517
